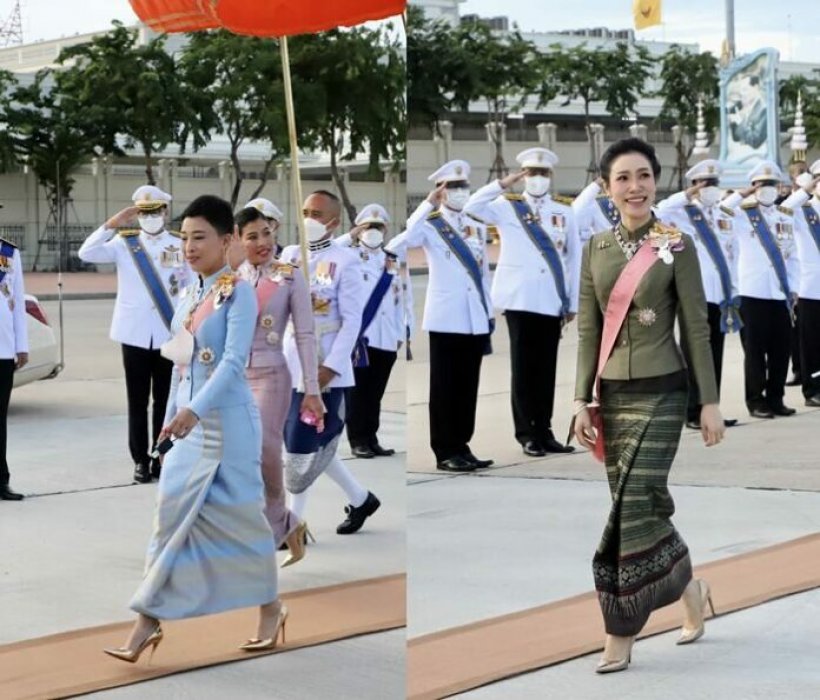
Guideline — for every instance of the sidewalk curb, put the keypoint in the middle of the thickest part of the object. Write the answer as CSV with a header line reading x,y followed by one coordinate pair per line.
x,y
77,296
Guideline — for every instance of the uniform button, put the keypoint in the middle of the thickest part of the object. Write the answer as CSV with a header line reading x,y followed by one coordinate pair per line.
x,y
624,342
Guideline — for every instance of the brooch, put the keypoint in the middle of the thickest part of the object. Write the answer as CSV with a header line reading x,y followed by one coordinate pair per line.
x,y
206,356
646,317
266,321
666,240
223,289
272,338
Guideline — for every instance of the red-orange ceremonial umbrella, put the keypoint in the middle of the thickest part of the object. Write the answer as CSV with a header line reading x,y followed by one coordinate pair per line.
x,y
277,18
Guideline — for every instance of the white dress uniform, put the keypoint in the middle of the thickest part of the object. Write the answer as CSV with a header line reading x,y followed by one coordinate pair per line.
x,y
384,334
589,214
765,309
13,341
137,323
526,289
720,220
457,314
808,252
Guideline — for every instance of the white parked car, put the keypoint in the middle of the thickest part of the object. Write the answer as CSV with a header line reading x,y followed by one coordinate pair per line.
x,y
43,358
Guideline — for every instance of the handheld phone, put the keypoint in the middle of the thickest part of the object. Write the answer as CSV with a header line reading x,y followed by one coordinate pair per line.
x,y
163,447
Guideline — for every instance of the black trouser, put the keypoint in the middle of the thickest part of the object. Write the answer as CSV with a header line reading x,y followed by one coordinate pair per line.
x,y
810,345
533,356
147,375
716,339
365,399
795,345
766,338
6,382
455,367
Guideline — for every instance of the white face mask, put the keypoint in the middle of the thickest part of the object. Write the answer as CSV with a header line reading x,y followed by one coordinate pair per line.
x,y
372,237
456,199
766,195
709,196
315,230
152,224
537,185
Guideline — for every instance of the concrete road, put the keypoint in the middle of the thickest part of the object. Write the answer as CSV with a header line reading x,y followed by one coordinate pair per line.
x,y
73,551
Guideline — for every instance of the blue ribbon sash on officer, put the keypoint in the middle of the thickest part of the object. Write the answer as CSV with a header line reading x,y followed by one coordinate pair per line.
x,y
607,206
545,246
730,321
152,281
463,254
761,228
813,221
7,253
360,358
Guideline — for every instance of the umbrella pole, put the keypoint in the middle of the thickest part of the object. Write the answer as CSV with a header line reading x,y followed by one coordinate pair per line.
x,y
296,180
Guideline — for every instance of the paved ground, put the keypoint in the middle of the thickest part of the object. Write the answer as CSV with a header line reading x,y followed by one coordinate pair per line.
x,y
522,534
73,550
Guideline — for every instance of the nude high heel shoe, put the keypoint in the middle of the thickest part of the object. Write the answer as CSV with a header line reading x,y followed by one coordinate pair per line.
x,y
271,642
131,656
614,665
296,541
689,636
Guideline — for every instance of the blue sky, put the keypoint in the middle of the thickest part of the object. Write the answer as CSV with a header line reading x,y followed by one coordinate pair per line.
x,y
791,27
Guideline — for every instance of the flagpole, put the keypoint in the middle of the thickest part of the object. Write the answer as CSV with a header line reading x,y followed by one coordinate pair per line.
x,y
730,27
296,181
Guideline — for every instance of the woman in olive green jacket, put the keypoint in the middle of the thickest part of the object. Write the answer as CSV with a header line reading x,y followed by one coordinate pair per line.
x,y
642,563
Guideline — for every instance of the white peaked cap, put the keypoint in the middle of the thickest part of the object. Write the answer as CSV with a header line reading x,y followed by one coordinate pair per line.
x,y
372,213
705,170
538,157
265,207
452,171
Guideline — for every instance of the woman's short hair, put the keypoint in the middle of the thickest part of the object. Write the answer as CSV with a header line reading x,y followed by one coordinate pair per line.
x,y
216,211
630,145
247,216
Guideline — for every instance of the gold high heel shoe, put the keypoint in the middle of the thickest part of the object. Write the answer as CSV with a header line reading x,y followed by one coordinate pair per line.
x,y
296,543
613,665
270,642
132,655
689,636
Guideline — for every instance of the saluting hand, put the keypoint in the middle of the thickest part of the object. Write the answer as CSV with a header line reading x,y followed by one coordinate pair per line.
x,y
356,232
693,190
438,195
509,180
126,217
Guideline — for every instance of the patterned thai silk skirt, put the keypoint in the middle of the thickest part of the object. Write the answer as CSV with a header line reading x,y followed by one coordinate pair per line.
x,y
212,548
641,563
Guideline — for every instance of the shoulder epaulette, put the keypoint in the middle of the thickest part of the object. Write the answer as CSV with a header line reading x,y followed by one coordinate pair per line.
x,y
175,234
561,199
727,210
513,197
785,210
127,232
434,214
7,242
748,205
475,218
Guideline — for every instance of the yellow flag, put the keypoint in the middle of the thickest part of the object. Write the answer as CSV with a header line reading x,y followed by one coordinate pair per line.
x,y
647,13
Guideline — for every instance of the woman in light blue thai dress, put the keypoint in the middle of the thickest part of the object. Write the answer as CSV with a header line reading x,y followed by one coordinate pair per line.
x,y
212,548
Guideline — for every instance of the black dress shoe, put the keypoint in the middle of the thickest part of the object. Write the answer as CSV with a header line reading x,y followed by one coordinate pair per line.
x,y
552,445
730,422
693,424
363,452
356,516
761,413
142,474
534,449
6,494
813,400
380,451
156,468
783,410
796,380
479,463
455,464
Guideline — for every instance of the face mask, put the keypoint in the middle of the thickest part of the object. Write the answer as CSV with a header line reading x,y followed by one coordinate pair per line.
x,y
766,195
456,199
709,196
537,185
372,237
152,224
315,230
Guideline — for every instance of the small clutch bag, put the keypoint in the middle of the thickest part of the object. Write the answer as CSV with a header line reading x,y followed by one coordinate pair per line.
x,y
180,348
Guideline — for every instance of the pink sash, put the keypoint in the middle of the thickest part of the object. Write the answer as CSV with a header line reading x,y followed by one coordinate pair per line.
x,y
265,289
206,308
620,299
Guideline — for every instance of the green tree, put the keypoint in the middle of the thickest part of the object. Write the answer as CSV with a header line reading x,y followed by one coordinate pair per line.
x,y
809,88
685,78
359,78
145,102
8,157
615,78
